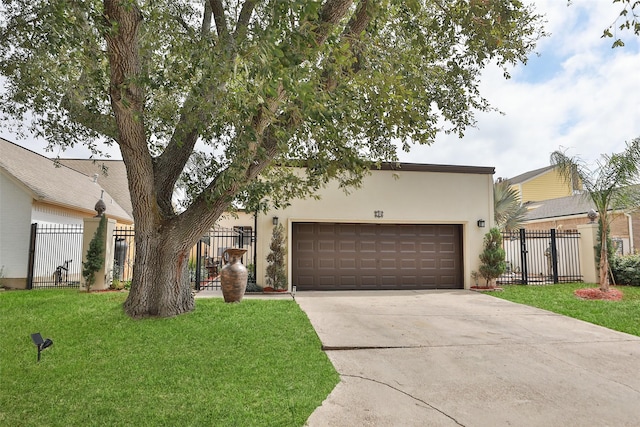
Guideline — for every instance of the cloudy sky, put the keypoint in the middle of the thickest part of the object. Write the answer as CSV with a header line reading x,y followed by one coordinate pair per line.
x,y
577,94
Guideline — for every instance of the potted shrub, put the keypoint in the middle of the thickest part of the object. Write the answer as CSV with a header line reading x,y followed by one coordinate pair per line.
x,y
276,273
95,254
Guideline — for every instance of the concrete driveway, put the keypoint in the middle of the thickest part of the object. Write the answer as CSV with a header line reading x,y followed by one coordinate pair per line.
x,y
460,358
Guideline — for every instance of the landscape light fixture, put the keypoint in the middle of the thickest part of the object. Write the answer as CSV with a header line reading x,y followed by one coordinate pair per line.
x,y
481,223
40,343
275,220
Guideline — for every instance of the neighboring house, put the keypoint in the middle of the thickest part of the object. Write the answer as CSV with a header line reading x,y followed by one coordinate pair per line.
x,y
554,203
542,184
33,189
566,213
111,175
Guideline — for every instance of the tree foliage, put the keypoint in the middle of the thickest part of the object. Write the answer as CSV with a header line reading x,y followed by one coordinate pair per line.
x,y
611,184
627,20
509,213
212,95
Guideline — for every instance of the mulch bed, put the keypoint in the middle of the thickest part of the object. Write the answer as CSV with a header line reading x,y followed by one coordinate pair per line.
x,y
597,294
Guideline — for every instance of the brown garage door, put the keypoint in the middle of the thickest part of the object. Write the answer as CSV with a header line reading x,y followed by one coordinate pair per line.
x,y
328,256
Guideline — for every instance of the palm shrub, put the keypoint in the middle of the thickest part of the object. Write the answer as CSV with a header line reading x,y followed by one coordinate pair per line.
x,y
492,257
95,255
610,185
276,275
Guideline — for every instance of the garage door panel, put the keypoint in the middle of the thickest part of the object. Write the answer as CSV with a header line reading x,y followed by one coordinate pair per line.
x,y
427,247
368,263
348,264
388,247
304,246
367,246
410,247
326,263
347,246
388,264
376,256
305,263
326,246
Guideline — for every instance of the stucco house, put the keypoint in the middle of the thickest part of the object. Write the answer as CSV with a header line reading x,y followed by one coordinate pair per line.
x,y
409,226
34,189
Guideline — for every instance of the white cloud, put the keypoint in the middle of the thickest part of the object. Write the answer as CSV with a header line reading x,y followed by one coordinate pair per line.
x,y
579,94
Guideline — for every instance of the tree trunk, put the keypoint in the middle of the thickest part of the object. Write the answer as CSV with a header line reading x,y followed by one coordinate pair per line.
x,y
604,259
160,285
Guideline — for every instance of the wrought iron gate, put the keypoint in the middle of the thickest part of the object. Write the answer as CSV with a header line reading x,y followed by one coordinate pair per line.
x,y
207,257
541,256
55,256
205,260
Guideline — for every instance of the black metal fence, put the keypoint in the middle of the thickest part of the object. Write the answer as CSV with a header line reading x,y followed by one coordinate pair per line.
x,y
55,256
123,254
205,260
541,257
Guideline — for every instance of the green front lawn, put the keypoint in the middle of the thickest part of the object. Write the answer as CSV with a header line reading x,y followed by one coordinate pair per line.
x,y
257,363
621,316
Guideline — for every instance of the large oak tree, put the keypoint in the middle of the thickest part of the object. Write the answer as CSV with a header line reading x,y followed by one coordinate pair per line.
x,y
209,96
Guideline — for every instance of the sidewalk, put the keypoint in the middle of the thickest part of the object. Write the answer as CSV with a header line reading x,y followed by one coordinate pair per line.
x,y
217,293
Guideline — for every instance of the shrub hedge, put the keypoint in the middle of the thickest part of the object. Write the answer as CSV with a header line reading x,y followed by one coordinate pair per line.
x,y
626,269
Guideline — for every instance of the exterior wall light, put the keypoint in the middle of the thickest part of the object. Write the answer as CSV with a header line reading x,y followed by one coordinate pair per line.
x,y
275,220
378,214
40,343
481,223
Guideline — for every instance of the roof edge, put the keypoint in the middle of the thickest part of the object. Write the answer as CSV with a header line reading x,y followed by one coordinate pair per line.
x,y
428,167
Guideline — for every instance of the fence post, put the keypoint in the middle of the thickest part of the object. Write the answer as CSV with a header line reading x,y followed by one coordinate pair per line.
x,y
105,275
588,242
198,264
523,257
32,254
554,256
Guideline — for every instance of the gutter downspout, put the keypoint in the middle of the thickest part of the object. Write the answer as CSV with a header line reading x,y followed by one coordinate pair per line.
x,y
631,236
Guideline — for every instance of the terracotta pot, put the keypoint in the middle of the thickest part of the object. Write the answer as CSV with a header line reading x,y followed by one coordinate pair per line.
x,y
233,276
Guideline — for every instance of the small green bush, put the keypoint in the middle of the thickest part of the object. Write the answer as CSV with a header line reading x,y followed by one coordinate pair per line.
x,y
95,255
626,269
276,272
492,257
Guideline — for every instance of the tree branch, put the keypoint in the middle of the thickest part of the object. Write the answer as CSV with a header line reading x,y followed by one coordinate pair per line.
x,y
206,20
218,16
332,12
360,20
245,16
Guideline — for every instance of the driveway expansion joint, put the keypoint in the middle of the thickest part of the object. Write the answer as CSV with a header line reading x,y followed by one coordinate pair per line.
x,y
406,394
366,347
